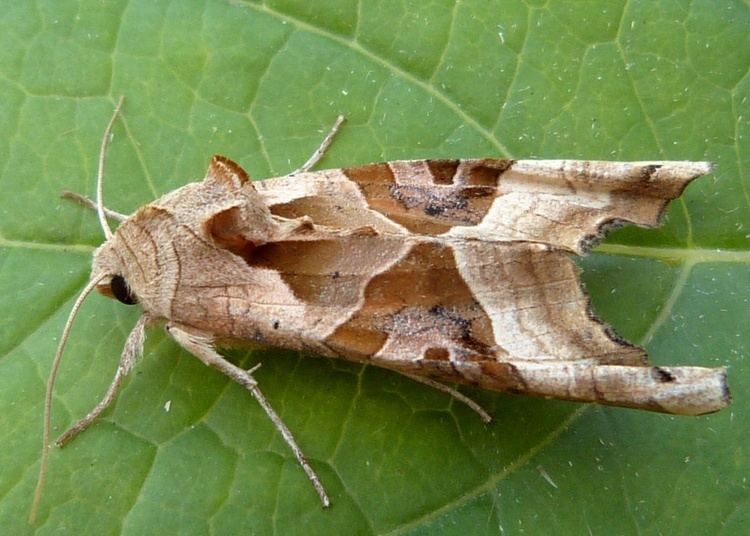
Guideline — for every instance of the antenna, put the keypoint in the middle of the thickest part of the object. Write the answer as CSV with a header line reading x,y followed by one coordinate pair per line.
x,y
48,397
100,173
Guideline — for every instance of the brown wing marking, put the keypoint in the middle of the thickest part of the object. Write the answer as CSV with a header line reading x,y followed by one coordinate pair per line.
x,y
327,272
328,276
419,307
538,312
443,171
430,196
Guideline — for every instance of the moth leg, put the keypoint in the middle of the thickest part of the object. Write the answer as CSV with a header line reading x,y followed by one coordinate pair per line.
x,y
90,204
200,346
133,348
322,148
486,417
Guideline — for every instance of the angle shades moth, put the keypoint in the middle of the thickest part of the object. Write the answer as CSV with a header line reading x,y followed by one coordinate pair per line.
x,y
447,271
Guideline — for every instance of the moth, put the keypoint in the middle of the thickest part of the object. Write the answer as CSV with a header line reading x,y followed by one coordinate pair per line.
x,y
447,271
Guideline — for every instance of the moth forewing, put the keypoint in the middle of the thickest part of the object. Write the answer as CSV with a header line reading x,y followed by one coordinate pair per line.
x,y
450,271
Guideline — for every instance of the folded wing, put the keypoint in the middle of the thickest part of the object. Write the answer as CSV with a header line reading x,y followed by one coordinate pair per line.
x,y
482,289
562,203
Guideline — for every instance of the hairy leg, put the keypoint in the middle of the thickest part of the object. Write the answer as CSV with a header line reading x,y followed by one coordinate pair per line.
x,y
90,204
201,347
133,348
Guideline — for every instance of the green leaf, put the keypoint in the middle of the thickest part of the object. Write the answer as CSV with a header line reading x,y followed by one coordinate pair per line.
x,y
262,82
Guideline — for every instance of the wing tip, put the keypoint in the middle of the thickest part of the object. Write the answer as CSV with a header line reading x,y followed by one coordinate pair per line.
x,y
696,390
679,172
668,179
689,168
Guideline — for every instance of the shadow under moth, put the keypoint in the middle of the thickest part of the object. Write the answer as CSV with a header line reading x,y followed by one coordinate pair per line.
x,y
447,271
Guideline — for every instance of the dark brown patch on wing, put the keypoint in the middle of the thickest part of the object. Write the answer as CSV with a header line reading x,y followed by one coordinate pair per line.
x,y
371,174
357,340
378,184
421,301
316,270
438,354
226,229
443,171
435,208
648,172
485,172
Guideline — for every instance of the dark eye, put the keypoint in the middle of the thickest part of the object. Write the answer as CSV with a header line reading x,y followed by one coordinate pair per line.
x,y
122,291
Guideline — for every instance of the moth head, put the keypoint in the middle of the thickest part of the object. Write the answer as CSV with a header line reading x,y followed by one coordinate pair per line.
x,y
130,265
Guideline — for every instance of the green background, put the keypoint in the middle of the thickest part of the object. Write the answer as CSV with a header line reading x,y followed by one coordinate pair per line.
x,y
261,83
